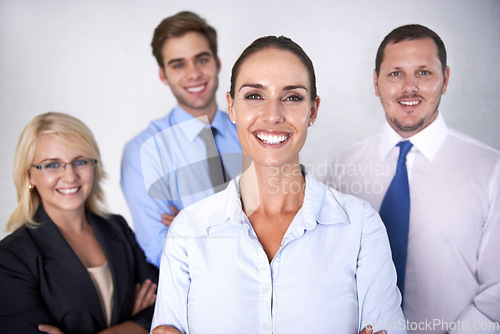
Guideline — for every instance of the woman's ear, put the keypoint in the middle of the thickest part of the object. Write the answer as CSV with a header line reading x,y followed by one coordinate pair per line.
x,y
314,110
30,179
230,108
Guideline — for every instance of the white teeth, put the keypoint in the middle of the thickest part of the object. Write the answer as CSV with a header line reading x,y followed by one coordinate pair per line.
x,y
68,191
409,103
196,89
270,139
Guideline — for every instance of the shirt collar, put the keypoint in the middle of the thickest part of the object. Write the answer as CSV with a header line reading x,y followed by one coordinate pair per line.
x,y
319,207
428,141
191,128
232,212
220,123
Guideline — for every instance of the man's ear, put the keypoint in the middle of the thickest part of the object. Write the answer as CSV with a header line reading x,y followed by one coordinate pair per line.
x,y
163,77
446,79
217,60
375,82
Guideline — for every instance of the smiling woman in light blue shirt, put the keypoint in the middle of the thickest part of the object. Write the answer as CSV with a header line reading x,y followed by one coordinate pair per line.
x,y
277,251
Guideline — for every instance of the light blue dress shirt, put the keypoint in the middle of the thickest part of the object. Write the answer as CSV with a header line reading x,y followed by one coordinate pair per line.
x,y
167,164
332,274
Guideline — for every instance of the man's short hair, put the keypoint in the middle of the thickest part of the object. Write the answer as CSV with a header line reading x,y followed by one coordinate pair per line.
x,y
410,32
178,25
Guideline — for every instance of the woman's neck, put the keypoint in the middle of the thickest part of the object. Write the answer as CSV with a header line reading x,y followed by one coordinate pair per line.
x,y
272,190
80,236
71,221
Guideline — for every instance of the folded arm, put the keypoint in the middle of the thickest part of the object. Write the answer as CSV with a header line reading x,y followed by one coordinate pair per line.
x,y
150,227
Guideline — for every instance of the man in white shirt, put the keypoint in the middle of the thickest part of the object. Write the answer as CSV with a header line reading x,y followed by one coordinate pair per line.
x,y
450,277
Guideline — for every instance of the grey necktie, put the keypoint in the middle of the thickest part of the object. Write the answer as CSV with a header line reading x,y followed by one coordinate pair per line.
x,y
215,166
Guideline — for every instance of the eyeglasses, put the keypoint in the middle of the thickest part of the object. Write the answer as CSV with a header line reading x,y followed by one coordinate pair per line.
x,y
56,167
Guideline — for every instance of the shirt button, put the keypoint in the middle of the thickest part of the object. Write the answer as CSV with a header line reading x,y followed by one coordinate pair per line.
x,y
267,327
267,287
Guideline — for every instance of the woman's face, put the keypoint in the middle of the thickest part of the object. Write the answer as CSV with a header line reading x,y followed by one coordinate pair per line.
x,y
272,107
61,189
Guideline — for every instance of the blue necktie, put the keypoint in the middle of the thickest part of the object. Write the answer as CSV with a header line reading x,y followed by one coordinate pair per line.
x,y
395,212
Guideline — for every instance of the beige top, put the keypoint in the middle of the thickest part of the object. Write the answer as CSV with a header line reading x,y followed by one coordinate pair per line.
x,y
101,277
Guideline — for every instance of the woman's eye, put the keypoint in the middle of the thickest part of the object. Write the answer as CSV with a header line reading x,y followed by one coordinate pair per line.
x,y
294,98
52,165
80,162
253,97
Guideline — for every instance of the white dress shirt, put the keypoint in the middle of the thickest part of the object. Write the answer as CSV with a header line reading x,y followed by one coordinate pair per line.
x,y
332,274
453,265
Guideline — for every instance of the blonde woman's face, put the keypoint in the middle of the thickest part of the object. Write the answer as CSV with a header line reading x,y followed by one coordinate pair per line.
x,y
66,190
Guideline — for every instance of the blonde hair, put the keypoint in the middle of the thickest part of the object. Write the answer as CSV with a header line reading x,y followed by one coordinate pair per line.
x,y
71,132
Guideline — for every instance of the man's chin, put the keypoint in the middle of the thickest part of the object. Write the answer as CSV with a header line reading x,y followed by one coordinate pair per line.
x,y
407,128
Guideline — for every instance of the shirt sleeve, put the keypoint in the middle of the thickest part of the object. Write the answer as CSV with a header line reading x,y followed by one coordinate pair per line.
x,y
483,315
146,212
172,297
378,296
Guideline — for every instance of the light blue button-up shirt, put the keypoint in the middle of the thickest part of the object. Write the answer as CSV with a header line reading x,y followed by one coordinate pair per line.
x,y
166,164
332,274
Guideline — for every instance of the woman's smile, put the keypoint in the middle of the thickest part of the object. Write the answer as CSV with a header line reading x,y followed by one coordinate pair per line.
x,y
274,138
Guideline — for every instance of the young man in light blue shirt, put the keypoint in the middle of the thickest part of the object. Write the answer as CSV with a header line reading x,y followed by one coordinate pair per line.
x,y
170,164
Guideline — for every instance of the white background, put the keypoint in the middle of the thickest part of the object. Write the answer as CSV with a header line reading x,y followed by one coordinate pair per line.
x,y
92,59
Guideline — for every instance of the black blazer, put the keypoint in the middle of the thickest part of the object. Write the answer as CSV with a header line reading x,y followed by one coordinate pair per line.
x,y
43,281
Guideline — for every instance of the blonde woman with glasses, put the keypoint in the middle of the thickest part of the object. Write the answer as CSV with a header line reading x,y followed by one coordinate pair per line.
x,y
69,266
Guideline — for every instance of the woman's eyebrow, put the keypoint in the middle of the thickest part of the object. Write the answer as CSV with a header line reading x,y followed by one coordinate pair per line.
x,y
292,87
257,86
260,86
